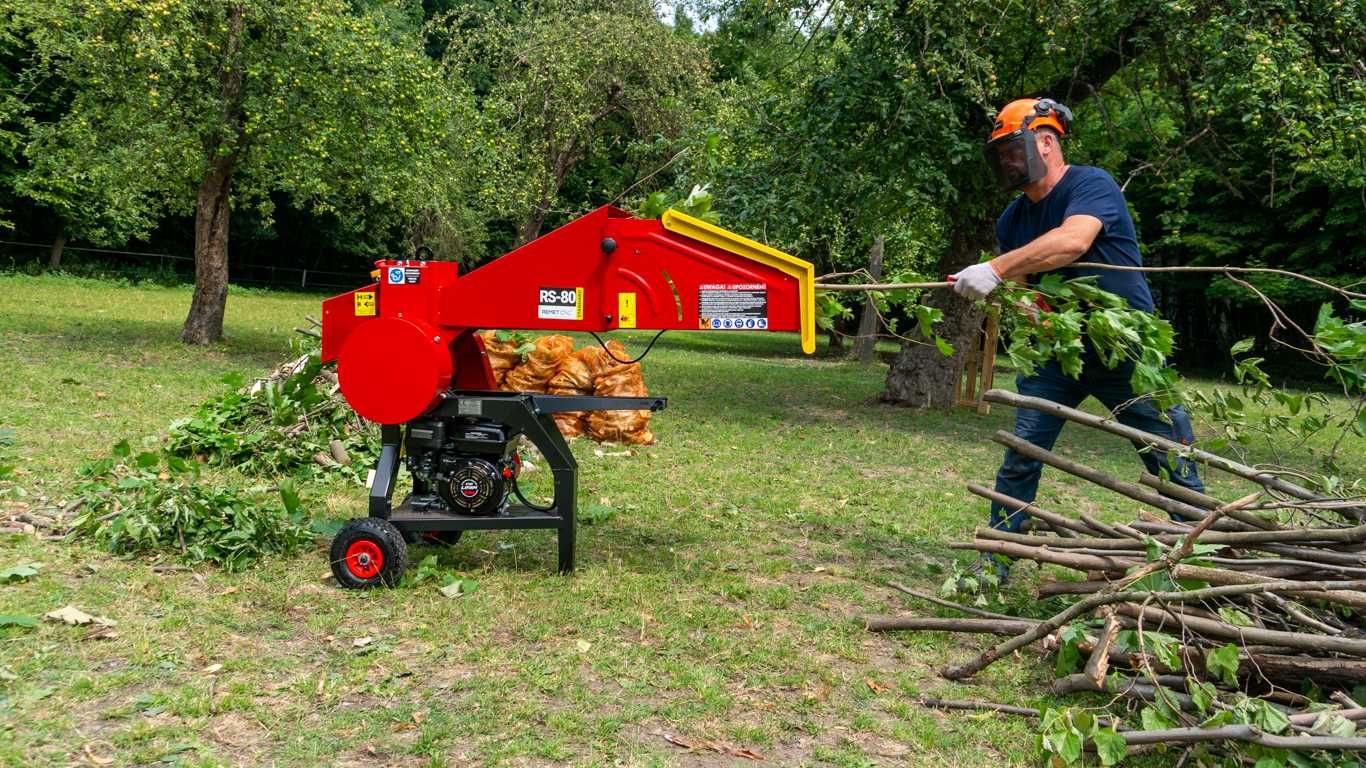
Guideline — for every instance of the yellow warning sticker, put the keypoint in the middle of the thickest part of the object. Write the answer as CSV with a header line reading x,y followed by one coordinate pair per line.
x,y
626,310
365,303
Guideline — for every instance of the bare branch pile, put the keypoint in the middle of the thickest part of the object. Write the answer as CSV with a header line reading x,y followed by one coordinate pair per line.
x,y
1233,630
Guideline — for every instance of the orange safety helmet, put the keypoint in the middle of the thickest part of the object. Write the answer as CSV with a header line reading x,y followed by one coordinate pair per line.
x,y
1032,113
1011,151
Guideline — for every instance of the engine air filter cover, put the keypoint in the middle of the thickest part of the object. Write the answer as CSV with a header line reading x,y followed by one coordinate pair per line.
x,y
473,487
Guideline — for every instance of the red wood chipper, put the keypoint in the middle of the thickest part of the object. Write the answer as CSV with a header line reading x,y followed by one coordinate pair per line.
x,y
409,357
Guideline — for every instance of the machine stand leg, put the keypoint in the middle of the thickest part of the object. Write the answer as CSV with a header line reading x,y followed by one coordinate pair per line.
x,y
566,542
386,471
566,503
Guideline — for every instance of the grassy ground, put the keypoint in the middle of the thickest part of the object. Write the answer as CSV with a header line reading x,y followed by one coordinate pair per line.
x,y
716,601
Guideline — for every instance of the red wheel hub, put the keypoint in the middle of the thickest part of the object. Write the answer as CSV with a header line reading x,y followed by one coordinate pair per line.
x,y
364,559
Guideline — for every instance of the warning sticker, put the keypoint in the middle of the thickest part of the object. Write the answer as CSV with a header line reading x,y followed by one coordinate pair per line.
x,y
560,304
365,303
732,307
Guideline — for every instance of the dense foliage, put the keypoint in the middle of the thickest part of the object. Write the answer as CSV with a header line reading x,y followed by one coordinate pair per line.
x,y
155,500
279,426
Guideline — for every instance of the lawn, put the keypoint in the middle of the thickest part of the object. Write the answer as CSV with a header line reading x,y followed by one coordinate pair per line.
x,y
717,601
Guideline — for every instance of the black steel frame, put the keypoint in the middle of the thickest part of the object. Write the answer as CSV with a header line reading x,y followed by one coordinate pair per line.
x,y
528,413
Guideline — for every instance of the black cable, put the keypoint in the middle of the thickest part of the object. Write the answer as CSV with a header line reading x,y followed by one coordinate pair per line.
x,y
518,492
648,347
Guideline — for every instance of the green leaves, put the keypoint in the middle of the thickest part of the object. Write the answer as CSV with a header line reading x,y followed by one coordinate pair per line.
x,y
1084,316
21,572
1110,746
146,504
1063,733
274,428
1223,663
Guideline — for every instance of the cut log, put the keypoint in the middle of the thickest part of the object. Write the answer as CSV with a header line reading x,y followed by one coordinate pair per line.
x,y
1123,487
1223,631
1084,563
1056,521
979,626
1263,478
1225,577
1055,588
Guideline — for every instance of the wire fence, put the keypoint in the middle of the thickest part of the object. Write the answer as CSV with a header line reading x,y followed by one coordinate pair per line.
x,y
16,255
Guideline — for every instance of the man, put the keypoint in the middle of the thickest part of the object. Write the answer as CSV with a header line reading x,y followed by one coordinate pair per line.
x,y
1067,213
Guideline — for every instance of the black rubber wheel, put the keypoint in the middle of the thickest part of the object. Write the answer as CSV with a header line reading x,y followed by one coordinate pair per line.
x,y
368,552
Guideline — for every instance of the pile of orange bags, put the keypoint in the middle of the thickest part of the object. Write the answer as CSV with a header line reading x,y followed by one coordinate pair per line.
x,y
556,368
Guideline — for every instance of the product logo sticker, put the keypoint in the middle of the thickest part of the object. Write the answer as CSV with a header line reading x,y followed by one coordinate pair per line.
x,y
559,304
395,275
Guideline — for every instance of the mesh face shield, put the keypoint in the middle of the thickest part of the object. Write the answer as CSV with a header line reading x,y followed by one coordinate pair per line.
x,y
1015,160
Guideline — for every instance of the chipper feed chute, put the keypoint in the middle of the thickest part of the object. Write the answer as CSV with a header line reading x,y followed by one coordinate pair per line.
x,y
409,357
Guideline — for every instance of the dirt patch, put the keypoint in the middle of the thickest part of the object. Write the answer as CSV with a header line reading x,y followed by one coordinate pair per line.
x,y
240,736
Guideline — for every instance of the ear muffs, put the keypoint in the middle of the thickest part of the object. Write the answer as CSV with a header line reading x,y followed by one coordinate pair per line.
x,y
1060,112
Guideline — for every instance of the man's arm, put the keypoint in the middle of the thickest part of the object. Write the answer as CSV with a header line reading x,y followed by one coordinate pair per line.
x,y
1055,248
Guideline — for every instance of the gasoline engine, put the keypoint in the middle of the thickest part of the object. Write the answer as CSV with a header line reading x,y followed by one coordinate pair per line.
x,y
466,466
410,358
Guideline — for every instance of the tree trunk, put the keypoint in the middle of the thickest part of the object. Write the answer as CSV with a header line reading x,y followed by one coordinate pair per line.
x,y
920,376
204,325
836,342
58,245
868,325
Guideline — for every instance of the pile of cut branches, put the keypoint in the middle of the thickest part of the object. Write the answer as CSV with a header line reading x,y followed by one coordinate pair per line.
x,y
1231,630
292,421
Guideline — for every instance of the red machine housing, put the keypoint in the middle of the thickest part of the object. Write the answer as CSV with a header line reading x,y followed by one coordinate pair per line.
x,y
401,342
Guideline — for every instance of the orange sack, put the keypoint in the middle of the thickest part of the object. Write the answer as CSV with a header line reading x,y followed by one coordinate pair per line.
x,y
618,380
502,356
575,377
541,365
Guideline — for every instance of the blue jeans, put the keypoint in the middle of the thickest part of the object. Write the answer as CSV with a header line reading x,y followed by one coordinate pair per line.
x,y
1019,475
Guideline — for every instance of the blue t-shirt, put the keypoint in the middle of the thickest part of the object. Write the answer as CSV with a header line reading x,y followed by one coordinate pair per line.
x,y
1093,192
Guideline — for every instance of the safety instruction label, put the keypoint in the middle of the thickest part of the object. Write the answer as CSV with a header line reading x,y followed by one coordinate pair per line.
x,y
403,275
560,304
626,310
732,307
365,303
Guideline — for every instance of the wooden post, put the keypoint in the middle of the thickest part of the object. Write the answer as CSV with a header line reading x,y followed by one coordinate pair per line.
x,y
988,363
868,324
979,367
58,244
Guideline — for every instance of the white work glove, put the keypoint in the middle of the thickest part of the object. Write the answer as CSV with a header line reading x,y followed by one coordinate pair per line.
x,y
976,281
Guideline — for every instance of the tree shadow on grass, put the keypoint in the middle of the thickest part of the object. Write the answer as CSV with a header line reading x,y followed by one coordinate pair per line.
x,y
128,337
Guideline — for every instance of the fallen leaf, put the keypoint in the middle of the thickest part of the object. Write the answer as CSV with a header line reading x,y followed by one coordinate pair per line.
x,y
458,587
361,642
76,617
582,645
212,668
101,396
677,741
20,572
875,686
418,717
229,591
96,759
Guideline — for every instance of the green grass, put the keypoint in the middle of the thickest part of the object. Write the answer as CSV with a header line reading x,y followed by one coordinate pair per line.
x,y
717,599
